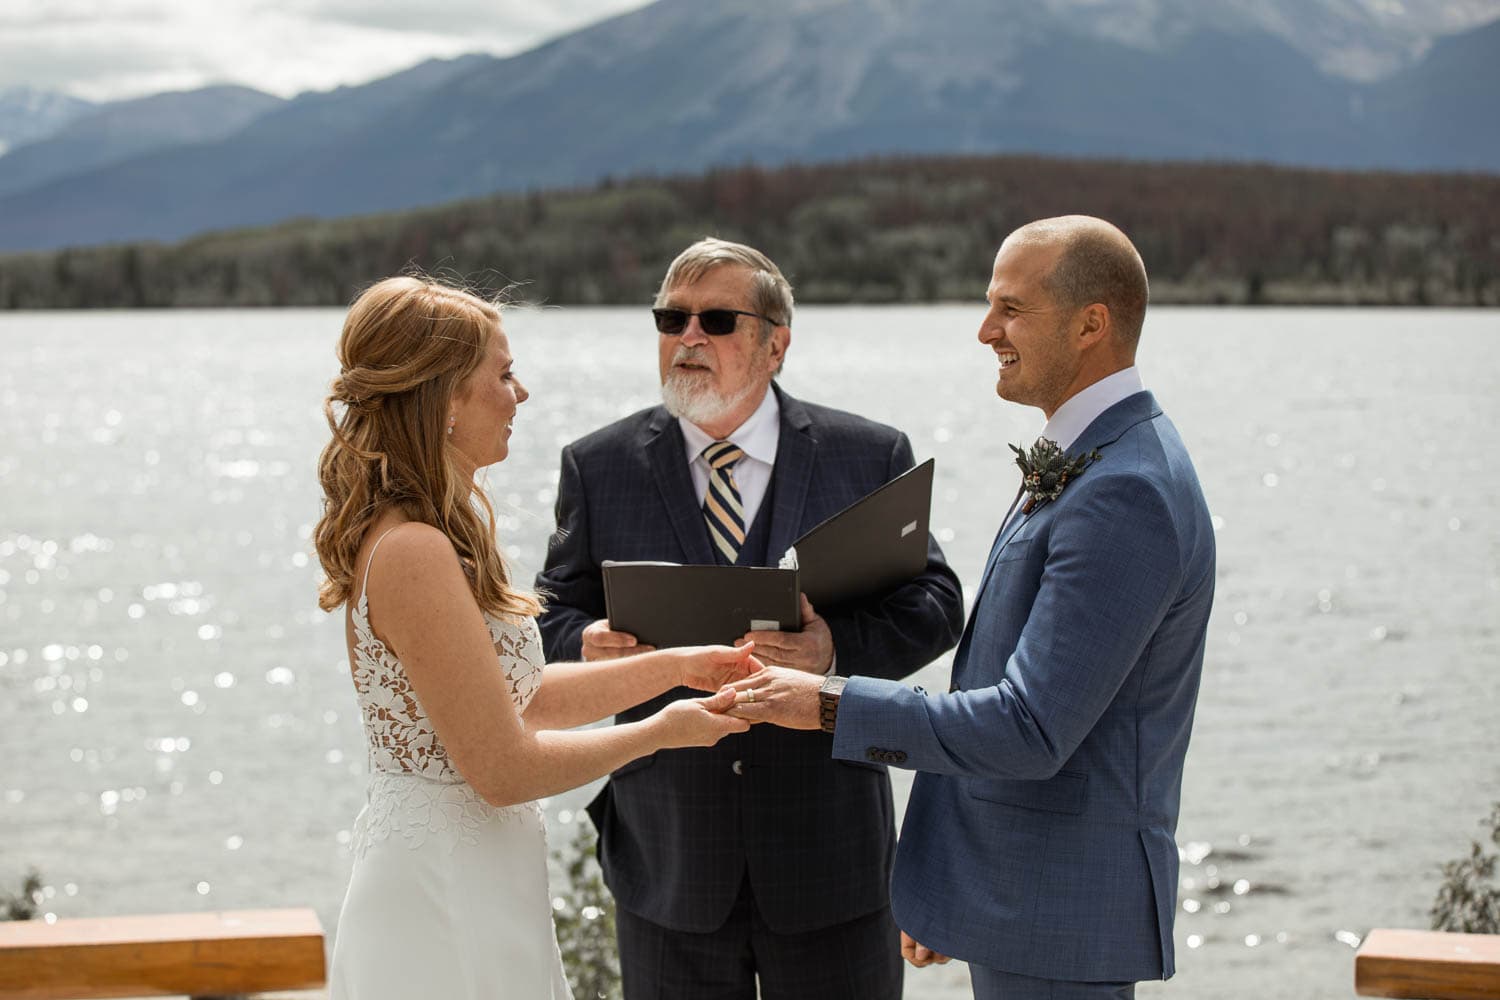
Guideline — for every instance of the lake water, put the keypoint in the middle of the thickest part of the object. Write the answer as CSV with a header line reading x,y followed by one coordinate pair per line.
x,y
179,732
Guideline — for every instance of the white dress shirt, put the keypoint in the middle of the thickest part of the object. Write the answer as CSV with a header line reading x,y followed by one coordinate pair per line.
x,y
757,437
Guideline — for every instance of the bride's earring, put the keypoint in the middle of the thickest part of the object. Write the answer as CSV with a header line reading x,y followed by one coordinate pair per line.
x,y
450,425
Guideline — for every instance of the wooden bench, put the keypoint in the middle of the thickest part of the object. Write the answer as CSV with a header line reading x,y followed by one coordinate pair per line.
x,y
1430,965
196,954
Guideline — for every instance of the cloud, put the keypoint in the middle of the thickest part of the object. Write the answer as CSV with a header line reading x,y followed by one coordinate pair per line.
x,y
109,49
463,17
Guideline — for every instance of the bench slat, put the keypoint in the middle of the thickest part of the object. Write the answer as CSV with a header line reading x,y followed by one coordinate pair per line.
x,y
1429,965
244,951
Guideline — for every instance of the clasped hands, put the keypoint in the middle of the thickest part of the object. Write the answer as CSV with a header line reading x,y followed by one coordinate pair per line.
x,y
778,684
810,650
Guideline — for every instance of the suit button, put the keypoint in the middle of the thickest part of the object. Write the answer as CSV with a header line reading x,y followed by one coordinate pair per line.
x,y
875,754
738,767
898,756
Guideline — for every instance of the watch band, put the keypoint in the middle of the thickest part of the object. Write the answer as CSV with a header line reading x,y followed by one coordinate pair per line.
x,y
828,702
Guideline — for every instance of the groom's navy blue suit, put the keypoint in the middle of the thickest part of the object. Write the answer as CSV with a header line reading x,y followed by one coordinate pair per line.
x,y
681,831
1039,835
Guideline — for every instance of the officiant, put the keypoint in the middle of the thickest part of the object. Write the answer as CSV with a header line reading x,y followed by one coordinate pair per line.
x,y
760,859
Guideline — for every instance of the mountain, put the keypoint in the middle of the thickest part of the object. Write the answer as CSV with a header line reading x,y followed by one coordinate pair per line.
x,y
170,192
1360,40
120,130
686,84
28,114
1427,112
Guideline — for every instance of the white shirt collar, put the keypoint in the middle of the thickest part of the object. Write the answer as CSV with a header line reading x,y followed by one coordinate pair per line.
x,y
1081,409
757,437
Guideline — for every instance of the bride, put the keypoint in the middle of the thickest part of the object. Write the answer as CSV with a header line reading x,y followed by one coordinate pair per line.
x,y
464,724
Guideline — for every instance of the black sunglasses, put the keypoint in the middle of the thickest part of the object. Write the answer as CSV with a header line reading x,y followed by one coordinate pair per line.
x,y
715,322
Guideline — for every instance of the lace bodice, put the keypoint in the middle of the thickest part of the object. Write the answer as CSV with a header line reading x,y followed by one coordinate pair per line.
x,y
415,791
398,735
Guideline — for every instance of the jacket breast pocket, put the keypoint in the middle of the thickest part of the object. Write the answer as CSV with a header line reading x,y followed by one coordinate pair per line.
x,y
1065,792
1016,548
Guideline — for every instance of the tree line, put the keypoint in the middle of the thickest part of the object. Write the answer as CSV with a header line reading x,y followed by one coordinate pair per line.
x,y
868,231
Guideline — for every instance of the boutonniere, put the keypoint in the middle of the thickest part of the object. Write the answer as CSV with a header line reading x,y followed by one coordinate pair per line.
x,y
1046,469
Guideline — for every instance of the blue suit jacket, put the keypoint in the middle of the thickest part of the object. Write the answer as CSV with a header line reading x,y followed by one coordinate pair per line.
x,y
680,830
1039,835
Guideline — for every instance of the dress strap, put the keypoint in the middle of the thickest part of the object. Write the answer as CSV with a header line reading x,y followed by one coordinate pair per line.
x,y
365,584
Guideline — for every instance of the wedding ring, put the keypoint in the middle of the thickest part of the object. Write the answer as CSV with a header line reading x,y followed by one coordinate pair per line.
x,y
750,694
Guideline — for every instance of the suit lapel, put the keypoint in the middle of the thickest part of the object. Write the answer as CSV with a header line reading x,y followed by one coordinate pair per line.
x,y
665,451
796,450
961,655
1007,531
1106,429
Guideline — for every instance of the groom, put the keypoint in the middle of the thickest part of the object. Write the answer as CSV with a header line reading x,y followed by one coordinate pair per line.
x,y
1038,842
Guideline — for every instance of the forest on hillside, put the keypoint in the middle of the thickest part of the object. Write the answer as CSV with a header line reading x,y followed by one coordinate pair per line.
x,y
868,231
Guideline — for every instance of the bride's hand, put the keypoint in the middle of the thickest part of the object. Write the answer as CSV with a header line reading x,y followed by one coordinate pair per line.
x,y
708,668
698,722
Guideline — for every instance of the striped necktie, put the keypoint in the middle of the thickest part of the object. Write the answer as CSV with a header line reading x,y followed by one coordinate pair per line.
x,y
721,504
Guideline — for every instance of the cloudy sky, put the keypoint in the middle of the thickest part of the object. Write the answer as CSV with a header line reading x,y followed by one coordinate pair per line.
x,y
107,49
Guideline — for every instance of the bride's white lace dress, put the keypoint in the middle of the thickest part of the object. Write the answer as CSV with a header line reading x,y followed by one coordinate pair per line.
x,y
448,897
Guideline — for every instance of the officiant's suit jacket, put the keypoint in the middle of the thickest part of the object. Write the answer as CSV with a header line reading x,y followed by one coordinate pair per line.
x,y
680,830
1039,834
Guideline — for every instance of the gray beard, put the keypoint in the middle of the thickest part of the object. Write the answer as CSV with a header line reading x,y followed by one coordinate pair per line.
x,y
700,404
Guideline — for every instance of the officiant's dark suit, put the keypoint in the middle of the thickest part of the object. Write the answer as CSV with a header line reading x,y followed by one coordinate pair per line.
x,y
760,856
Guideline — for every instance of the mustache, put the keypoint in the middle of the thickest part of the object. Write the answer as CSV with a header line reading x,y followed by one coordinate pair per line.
x,y
692,355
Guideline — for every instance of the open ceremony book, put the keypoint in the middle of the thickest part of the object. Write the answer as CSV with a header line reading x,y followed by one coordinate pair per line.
x,y
876,543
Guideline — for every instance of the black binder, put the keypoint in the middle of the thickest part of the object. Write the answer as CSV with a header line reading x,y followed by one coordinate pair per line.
x,y
869,547
667,604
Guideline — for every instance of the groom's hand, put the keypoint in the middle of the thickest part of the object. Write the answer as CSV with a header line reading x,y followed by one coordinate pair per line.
x,y
600,642
920,955
810,650
782,697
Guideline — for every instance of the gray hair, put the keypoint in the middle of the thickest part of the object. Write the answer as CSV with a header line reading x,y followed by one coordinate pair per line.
x,y
770,292
1098,263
